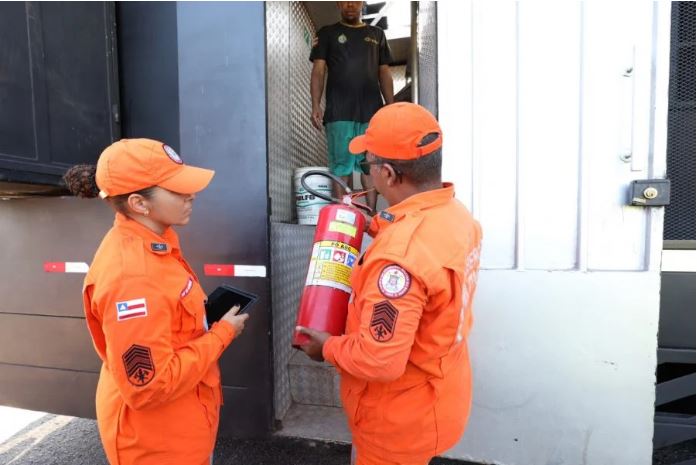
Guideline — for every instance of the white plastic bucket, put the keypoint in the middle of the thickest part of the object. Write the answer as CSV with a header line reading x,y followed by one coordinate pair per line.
x,y
306,204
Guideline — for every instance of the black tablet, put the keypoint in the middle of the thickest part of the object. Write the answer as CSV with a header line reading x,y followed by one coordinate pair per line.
x,y
224,298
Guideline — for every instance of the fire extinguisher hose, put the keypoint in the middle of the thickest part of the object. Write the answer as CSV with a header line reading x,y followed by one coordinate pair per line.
x,y
338,180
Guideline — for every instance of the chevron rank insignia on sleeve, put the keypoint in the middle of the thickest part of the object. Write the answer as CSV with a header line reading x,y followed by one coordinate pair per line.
x,y
139,365
383,321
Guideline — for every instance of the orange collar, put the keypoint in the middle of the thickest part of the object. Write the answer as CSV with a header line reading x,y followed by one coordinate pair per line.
x,y
160,245
417,202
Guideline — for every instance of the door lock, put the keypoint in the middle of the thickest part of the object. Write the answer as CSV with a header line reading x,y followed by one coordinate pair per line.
x,y
650,192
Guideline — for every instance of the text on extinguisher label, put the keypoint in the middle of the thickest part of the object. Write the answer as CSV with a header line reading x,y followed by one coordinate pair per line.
x,y
331,264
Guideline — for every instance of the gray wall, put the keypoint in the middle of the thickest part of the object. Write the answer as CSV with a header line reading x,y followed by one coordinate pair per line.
x,y
222,120
47,361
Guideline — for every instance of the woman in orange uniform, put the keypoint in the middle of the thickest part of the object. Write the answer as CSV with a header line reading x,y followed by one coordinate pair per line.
x,y
159,392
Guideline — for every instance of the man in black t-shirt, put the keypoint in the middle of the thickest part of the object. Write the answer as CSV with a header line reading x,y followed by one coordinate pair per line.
x,y
357,57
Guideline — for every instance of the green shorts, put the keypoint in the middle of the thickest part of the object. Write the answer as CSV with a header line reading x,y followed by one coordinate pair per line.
x,y
339,134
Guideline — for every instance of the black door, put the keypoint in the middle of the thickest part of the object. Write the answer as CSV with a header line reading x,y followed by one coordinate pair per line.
x,y
58,89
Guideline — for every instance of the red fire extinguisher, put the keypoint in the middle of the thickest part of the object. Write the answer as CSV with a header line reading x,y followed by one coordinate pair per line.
x,y
336,249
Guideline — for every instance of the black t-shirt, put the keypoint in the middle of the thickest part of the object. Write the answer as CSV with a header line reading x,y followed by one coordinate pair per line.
x,y
353,56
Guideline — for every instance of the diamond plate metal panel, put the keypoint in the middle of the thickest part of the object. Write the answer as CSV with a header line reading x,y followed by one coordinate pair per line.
x,y
315,422
293,141
277,56
308,145
399,77
428,59
290,255
313,383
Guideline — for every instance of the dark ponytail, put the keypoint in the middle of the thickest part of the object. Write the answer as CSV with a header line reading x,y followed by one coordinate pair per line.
x,y
81,181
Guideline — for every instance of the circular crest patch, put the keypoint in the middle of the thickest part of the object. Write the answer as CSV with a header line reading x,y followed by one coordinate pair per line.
x,y
342,39
172,154
394,281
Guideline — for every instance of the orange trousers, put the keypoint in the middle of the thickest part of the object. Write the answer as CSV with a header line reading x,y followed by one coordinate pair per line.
x,y
362,459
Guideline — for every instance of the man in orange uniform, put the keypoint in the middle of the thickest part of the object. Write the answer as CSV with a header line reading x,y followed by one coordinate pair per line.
x,y
159,391
404,364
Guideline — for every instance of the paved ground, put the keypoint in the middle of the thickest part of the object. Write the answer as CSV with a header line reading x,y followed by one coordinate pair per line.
x,y
36,438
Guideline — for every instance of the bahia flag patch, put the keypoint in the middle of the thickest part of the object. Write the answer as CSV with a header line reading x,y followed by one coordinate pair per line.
x,y
131,309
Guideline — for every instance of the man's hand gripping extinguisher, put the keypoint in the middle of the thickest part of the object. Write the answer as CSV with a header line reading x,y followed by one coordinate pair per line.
x,y
336,248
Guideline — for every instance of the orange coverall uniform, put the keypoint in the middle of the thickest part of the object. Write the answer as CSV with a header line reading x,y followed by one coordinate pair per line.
x,y
403,362
159,392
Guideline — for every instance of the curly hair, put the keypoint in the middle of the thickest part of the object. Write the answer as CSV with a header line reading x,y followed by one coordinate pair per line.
x,y
80,181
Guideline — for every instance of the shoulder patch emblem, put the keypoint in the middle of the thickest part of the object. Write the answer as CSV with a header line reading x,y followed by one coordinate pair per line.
x,y
394,281
383,321
139,365
131,309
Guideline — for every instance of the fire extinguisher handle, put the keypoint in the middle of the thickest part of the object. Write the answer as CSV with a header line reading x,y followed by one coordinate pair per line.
x,y
361,206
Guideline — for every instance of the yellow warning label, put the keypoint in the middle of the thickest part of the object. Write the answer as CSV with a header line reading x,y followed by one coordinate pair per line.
x,y
331,265
334,272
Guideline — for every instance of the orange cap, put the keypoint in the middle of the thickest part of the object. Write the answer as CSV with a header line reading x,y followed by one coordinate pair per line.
x,y
130,165
396,131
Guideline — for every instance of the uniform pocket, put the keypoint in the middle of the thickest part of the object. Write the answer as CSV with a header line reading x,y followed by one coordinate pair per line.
x,y
351,395
212,378
192,312
190,315
207,396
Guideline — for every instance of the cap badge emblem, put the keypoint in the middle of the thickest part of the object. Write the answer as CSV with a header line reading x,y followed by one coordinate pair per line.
x,y
172,154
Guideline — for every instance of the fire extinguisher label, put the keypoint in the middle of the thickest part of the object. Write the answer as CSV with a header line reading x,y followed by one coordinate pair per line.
x,y
331,264
346,216
343,228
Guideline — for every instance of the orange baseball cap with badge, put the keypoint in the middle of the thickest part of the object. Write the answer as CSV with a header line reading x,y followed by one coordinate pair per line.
x,y
130,165
396,131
